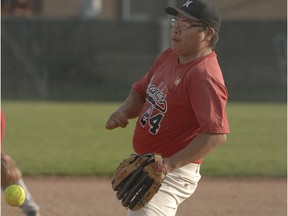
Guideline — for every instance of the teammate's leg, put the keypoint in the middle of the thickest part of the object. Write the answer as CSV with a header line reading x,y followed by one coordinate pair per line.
x,y
29,207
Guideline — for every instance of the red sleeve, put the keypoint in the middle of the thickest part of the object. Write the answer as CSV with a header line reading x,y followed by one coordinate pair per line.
x,y
209,100
141,85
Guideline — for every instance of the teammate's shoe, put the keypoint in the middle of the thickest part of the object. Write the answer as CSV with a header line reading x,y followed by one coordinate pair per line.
x,y
32,213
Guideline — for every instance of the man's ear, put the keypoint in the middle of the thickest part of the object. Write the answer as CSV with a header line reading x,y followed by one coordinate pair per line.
x,y
209,33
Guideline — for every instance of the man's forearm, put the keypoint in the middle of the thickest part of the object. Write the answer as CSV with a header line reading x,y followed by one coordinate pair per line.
x,y
128,110
132,105
201,146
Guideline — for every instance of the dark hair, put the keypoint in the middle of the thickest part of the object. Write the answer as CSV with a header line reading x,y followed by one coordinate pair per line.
x,y
214,38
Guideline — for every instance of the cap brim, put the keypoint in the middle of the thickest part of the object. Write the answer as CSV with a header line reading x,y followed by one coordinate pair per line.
x,y
175,11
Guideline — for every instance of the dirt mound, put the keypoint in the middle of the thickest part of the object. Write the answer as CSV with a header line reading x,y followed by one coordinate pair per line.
x,y
93,196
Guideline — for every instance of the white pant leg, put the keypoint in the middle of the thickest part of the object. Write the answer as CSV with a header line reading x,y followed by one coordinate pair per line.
x,y
176,187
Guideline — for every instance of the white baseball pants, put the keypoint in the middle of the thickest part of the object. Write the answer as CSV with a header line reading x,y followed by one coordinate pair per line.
x,y
176,187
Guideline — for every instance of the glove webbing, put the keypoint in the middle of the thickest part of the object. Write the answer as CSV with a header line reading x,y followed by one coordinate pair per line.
x,y
136,193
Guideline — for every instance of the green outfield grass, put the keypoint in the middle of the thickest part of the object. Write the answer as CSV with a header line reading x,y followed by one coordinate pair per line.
x,y
47,138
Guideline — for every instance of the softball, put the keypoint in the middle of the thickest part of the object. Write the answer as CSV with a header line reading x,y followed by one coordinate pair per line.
x,y
14,195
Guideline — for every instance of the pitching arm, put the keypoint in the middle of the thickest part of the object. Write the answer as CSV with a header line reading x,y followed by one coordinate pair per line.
x,y
128,110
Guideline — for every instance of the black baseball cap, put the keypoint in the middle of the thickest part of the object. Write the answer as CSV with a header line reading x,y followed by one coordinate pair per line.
x,y
199,10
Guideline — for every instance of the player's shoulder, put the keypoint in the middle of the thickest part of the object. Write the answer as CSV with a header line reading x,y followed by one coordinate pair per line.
x,y
169,51
205,69
168,54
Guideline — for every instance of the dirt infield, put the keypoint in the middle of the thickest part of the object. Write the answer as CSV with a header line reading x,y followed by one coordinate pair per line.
x,y
93,196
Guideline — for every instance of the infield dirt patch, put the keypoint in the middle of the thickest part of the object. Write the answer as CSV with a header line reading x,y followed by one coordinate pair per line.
x,y
93,196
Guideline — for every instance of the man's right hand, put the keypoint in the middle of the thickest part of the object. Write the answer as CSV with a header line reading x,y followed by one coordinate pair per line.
x,y
117,119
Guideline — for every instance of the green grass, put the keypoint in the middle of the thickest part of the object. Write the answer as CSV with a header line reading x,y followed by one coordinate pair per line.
x,y
47,138
257,145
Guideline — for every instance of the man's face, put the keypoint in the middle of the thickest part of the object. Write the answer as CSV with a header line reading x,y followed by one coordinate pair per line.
x,y
186,37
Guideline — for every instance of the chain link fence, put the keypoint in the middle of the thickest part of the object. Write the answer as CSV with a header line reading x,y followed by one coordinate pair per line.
x,y
76,59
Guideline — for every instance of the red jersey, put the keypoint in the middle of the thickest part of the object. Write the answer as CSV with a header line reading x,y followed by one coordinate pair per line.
x,y
181,101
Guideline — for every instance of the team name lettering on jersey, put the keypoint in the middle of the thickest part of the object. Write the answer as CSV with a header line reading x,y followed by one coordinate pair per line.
x,y
155,113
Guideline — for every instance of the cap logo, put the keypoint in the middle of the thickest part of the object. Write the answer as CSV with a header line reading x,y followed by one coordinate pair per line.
x,y
187,4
